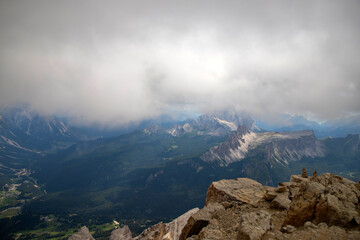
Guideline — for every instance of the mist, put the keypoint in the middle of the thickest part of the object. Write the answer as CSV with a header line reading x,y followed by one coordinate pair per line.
x,y
120,62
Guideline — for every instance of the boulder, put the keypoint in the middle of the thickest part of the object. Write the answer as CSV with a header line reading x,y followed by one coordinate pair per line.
x,y
243,190
309,224
82,234
167,231
155,232
175,227
281,202
303,205
254,225
199,220
326,198
288,229
270,194
123,233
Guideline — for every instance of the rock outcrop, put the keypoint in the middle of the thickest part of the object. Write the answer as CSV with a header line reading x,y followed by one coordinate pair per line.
x,y
243,190
123,233
319,207
82,234
167,231
278,147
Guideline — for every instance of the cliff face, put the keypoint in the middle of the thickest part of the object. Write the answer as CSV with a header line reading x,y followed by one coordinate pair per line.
x,y
277,147
317,207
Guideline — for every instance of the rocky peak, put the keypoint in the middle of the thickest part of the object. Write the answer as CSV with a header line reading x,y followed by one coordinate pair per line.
x,y
216,124
154,129
325,206
241,131
279,147
232,150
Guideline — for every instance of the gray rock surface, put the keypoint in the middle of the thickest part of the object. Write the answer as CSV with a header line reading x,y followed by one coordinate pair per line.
x,y
123,233
83,234
167,231
254,225
278,147
244,190
319,207
326,198
281,201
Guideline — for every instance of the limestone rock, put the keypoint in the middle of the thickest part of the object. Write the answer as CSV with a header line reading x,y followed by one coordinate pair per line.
x,y
326,198
244,190
82,234
321,207
303,205
288,229
167,231
123,233
322,225
282,201
254,225
154,232
175,227
199,220
309,224
298,179
211,232
270,194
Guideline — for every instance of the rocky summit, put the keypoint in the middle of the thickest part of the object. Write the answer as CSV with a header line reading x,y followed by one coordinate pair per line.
x,y
318,207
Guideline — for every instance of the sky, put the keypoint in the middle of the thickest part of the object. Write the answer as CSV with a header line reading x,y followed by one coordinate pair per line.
x,y
119,62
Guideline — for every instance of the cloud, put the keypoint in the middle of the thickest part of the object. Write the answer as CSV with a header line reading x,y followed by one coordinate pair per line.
x,y
114,63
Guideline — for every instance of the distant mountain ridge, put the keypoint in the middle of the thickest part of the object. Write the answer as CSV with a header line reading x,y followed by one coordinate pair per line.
x,y
22,127
216,124
333,128
280,147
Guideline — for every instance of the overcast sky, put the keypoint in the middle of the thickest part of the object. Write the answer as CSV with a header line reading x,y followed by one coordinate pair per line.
x,y
124,61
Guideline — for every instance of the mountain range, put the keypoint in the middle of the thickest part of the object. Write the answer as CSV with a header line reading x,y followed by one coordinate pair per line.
x,y
139,177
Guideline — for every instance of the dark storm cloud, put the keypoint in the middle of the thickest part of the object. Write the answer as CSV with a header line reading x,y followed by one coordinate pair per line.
x,y
122,61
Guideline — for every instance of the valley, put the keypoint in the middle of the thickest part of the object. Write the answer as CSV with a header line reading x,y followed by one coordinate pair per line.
x,y
137,178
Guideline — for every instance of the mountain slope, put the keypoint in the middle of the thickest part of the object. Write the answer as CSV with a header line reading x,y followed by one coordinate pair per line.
x,y
216,124
24,128
280,148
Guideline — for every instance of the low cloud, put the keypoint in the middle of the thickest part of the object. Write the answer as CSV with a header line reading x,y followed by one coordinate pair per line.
x,y
116,63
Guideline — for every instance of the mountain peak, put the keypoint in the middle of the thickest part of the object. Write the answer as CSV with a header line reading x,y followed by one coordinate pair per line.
x,y
242,130
280,147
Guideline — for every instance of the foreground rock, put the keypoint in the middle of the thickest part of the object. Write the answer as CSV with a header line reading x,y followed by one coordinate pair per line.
x,y
83,234
167,231
123,233
327,198
320,207
243,190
